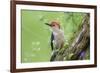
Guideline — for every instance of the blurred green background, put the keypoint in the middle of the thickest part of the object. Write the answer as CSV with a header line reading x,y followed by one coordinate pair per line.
x,y
35,35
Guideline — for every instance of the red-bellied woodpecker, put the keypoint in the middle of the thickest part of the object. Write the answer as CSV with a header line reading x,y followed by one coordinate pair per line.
x,y
57,38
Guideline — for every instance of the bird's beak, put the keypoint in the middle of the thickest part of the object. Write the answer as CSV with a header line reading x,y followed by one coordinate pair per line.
x,y
48,24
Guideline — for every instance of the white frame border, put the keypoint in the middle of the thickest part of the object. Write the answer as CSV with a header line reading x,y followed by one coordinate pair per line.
x,y
20,65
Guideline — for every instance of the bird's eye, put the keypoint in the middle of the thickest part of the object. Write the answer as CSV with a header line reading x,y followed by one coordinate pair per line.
x,y
53,25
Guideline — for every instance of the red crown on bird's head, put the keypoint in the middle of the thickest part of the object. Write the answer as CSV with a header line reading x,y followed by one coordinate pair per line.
x,y
55,22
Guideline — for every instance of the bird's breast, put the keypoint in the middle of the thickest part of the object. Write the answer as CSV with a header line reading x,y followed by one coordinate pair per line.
x,y
58,36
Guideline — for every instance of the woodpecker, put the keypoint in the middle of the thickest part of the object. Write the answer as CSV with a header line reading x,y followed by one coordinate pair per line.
x,y
57,38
